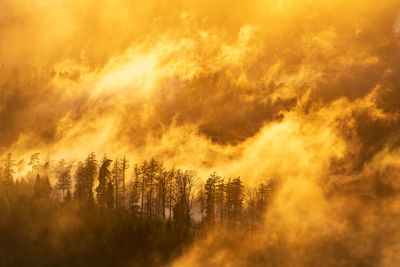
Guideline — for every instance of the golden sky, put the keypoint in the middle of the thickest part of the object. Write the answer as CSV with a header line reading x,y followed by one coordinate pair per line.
x,y
200,83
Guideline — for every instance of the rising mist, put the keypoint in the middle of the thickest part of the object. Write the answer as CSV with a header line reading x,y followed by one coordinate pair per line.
x,y
299,96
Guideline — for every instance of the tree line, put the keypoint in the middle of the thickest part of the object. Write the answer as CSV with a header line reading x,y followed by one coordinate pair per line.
x,y
153,192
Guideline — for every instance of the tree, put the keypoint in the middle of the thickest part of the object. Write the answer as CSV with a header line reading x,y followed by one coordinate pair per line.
x,y
251,195
201,199
161,196
228,190
64,180
220,197
134,195
261,199
42,187
68,197
151,172
185,182
90,174
35,163
8,172
236,199
210,189
170,194
104,176
109,195
139,173
124,167
116,177
80,183
84,178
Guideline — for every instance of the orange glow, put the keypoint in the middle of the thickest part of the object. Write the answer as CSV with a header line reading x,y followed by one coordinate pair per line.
x,y
304,92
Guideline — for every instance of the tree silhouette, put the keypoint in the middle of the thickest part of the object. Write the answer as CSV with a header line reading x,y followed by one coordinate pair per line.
x,y
116,178
220,198
42,187
7,179
251,196
124,167
185,182
236,199
170,195
211,191
64,180
201,199
151,172
134,195
84,178
104,175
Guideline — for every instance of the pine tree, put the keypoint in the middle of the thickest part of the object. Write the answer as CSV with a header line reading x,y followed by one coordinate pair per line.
x,y
161,185
84,178
90,174
251,195
8,172
116,177
210,189
134,195
220,198
42,187
201,199
68,197
180,196
228,191
139,176
64,178
170,194
236,195
103,178
261,197
80,182
35,163
109,195
124,167
151,173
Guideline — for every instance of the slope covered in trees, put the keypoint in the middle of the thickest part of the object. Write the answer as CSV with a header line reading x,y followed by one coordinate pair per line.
x,y
89,213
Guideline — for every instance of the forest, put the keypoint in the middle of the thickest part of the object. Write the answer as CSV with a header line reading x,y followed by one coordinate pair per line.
x,y
91,213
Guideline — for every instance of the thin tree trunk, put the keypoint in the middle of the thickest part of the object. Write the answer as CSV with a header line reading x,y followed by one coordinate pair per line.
x,y
123,182
142,204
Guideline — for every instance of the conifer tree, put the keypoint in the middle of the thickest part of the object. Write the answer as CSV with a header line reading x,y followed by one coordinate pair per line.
x,y
210,189
170,192
124,167
236,195
202,201
64,180
134,195
104,176
251,196
151,173
90,174
220,197
84,177
8,172
42,187
116,177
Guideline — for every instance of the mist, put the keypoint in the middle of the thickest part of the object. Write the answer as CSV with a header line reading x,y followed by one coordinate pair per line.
x,y
300,94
